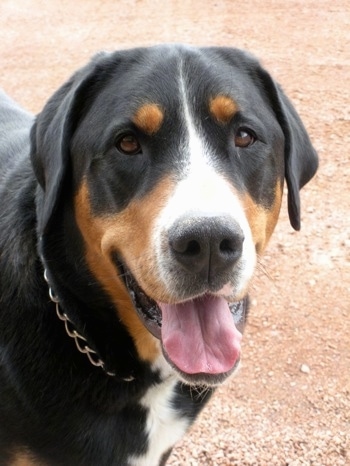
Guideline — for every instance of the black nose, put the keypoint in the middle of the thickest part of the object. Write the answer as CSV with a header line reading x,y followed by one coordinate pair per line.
x,y
207,245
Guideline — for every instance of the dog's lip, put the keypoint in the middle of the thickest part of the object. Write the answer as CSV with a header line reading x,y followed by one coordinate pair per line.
x,y
146,308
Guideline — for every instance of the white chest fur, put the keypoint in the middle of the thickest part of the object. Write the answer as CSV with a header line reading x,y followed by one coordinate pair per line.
x,y
164,426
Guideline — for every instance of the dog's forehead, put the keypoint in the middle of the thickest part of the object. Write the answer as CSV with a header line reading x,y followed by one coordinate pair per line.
x,y
158,75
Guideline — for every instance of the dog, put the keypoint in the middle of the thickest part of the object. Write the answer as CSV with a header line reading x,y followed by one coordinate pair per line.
x,y
133,210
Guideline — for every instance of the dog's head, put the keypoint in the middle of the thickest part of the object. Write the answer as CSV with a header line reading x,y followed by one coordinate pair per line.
x,y
174,158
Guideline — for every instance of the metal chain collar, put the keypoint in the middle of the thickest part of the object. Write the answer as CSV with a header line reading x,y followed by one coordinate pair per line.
x,y
80,341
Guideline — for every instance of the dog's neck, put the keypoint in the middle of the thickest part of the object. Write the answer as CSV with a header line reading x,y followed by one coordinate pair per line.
x,y
82,344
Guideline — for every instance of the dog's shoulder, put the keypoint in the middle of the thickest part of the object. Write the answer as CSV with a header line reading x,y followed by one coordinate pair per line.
x,y
15,124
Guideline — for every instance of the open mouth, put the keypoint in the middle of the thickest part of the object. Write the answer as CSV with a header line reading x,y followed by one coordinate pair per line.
x,y
147,309
199,337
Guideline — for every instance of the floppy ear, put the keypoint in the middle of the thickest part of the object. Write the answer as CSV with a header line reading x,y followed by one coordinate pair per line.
x,y
300,157
50,140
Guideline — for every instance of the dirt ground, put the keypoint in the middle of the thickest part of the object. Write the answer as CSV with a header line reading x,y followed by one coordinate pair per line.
x,y
290,403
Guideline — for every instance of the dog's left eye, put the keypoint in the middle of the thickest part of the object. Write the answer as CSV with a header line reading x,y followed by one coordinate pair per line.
x,y
128,144
244,138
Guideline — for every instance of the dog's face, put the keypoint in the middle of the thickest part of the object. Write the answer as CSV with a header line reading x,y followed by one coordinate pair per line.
x,y
177,159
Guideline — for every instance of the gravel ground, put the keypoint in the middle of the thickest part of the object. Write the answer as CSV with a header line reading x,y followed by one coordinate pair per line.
x,y
290,403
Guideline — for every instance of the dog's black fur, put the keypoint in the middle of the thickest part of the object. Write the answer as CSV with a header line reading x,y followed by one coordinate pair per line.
x,y
56,409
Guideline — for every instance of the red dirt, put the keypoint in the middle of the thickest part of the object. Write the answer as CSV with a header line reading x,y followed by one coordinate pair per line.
x,y
290,404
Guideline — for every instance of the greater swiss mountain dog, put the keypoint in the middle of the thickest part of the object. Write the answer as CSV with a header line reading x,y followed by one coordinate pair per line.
x,y
133,210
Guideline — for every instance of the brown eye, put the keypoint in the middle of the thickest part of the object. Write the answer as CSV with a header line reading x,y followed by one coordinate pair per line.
x,y
128,144
244,138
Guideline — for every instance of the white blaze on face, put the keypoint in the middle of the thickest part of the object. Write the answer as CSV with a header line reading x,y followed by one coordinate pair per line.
x,y
203,192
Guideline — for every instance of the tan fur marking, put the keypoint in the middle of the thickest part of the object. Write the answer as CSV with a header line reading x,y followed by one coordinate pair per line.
x,y
262,221
129,234
275,210
149,118
223,108
22,459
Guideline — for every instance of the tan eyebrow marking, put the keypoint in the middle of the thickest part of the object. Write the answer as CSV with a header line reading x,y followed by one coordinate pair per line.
x,y
149,118
223,108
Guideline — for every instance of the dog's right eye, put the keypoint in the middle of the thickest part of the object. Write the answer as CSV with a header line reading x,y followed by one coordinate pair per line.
x,y
128,144
244,138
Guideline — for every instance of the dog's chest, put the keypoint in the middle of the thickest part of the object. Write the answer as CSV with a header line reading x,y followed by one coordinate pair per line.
x,y
164,426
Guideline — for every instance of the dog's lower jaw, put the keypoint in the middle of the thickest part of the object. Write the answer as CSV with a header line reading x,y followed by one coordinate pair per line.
x,y
218,350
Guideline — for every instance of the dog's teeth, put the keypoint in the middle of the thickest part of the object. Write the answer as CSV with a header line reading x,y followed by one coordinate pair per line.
x,y
142,302
237,310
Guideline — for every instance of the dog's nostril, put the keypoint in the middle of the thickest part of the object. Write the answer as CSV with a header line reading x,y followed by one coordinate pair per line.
x,y
183,245
226,245
231,246
193,248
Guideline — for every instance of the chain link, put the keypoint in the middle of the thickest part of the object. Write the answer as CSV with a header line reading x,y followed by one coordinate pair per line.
x,y
80,341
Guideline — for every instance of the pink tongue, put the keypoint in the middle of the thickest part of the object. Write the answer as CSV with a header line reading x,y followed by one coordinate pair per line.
x,y
200,336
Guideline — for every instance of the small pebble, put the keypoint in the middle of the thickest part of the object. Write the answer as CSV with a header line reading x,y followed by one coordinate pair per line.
x,y
305,369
